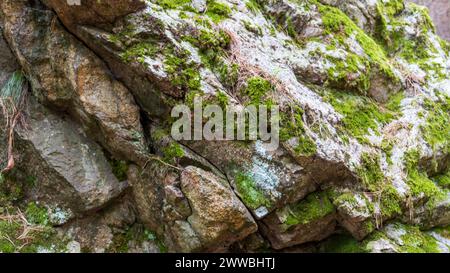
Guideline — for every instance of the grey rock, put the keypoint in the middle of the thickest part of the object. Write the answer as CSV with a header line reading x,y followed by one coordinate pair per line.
x,y
71,170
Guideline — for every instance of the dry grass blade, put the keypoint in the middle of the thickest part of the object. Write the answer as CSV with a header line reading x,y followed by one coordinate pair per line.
x,y
247,70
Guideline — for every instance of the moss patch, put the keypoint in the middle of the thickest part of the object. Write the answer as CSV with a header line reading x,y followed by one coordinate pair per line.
x,y
40,236
340,27
256,89
251,194
315,206
172,152
443,180
416,241
183,72
119,169
436,130
292,126
341,244
418,181
36,214
360,114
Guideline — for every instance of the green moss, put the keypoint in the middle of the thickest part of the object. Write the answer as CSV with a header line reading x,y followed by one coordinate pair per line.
x,y
183,72
436,130
417,180
347,73
390,202
11,190
372,177
39,235
415,241
256,89
13,88
253,28
172,152
212,47
250,193
360,114
228,74
291,126
387,145
340,27
140,51
369,226
315,206
222,99
290,29
370,171
345,198
207,40
387,10
341,244
443,231
253,5
8,230
394,102
119,169
391,27
151,236
443,180
31,180
159,134
349,198
173,4
214,10
217,11
36,214
374,236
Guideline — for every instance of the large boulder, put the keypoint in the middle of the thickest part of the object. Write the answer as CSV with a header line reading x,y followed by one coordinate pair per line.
x,y
66,75
69,170
217,214
93,12
176,203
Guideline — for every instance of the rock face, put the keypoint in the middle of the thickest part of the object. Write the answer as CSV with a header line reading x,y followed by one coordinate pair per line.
x,y
7,61
217,214
363,91
72,170
65,74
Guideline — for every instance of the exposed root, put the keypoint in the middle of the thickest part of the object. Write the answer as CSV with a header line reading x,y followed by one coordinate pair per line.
x,y
12,102
413,82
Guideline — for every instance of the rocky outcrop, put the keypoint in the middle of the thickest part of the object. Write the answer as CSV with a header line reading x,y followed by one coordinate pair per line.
x,y
363,92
